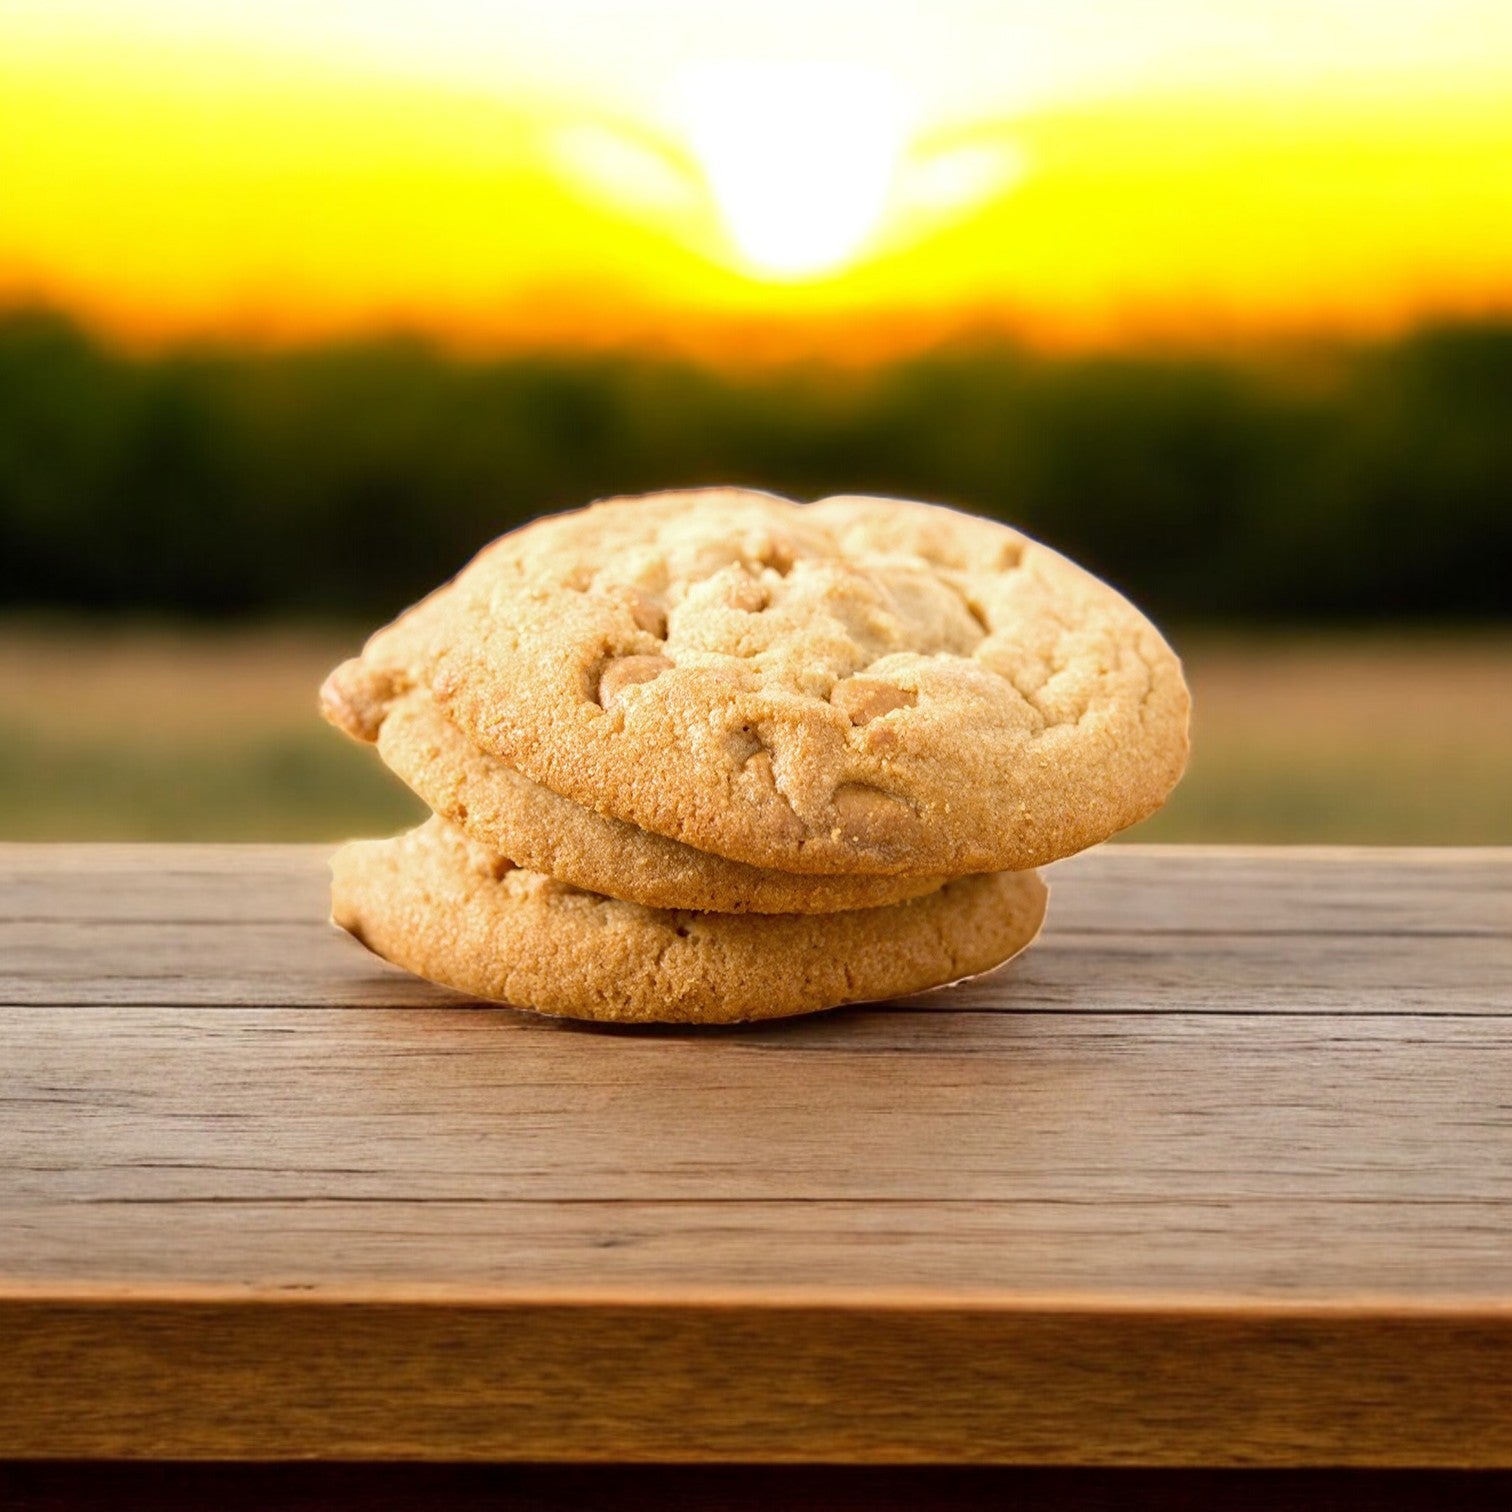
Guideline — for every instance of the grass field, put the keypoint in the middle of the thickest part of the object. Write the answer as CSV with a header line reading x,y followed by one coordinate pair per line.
x,y
141,733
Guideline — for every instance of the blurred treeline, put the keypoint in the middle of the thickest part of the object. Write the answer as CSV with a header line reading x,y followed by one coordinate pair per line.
x,y
1366,482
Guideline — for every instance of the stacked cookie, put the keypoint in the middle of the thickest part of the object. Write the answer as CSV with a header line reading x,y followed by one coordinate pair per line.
x,y
712,756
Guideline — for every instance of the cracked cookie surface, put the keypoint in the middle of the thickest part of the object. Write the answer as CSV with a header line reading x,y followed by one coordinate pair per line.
x,y
853,686
441,906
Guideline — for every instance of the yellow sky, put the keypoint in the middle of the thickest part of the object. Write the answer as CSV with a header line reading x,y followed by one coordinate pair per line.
x,y
542,169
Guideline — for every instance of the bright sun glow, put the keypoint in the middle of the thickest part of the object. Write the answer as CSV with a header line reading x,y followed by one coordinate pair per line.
x,y
800,157
517,172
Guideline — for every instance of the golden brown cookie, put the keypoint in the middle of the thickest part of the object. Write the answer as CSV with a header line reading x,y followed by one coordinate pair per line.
x,y
437,904
853,686
537,829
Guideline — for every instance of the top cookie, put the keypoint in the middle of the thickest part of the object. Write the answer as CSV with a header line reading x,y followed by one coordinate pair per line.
x,y
857,685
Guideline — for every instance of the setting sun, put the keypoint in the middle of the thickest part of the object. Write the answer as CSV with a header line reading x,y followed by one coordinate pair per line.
x,y
541,172
800,158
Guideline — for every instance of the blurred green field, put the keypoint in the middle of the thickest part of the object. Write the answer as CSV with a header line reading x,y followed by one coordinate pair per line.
x,y
143,733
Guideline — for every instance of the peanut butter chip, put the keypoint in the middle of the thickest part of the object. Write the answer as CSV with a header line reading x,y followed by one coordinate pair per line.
x,y
625,673
863,699
868,814
743,744
759,779
648,614
759,763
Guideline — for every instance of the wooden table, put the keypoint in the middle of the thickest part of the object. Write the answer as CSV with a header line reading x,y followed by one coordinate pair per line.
x,y
1219,1174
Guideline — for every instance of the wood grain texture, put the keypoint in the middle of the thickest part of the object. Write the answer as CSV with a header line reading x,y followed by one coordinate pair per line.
x,y
903,1380
1219,1173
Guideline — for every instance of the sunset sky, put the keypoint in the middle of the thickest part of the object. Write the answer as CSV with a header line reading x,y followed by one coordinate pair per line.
x,y
508,171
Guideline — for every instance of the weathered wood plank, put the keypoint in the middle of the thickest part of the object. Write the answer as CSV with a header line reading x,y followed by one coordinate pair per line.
x,y
995,1143
1221,1172
1205,1245
1292,890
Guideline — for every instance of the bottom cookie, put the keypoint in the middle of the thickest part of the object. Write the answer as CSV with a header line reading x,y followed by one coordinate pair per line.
x,y
440,906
